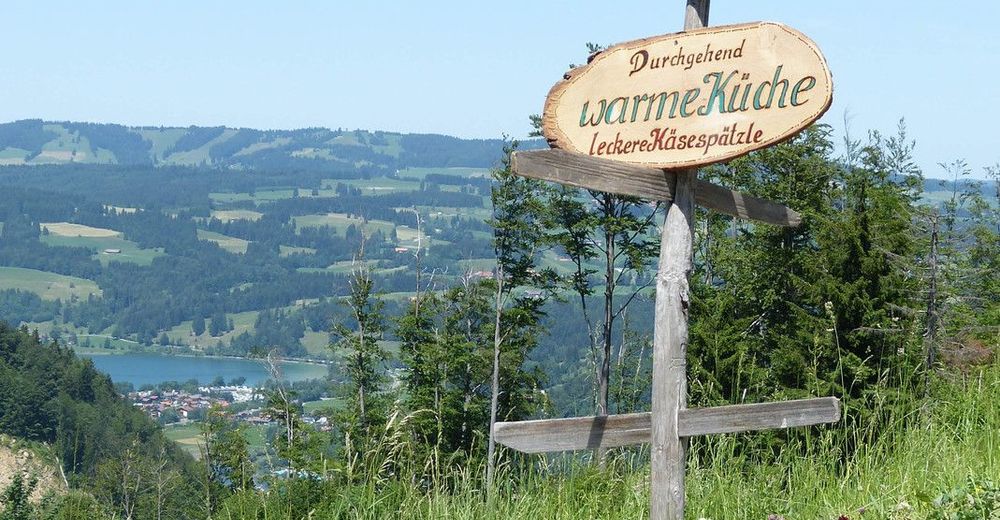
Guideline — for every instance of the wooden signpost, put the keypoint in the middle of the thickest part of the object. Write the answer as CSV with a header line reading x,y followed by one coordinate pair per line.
x,y
635,121
692,98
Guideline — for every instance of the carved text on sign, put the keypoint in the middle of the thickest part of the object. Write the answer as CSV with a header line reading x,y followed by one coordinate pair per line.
x,y
691,98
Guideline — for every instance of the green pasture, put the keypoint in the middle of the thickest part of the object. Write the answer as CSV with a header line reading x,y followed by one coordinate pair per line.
x,y
242,322
48,286
258,196
420,173
130,251
69,147
481,213
95,343
162,139
316,343
340,222
199,155
231,244
187,435
11,155
342,267
373,186
291,250
229,215
266,145
310,407
391,147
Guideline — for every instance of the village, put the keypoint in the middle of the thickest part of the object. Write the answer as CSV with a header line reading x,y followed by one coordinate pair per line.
x,y
181,406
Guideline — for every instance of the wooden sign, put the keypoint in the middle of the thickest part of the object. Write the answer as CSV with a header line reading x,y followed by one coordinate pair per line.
x,y
693,98
611,431
582,171
667,104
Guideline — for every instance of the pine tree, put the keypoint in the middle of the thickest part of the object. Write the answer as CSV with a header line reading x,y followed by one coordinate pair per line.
x,y
358,341
198,325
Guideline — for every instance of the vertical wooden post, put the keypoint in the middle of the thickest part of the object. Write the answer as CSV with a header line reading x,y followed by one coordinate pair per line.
x,y
668,451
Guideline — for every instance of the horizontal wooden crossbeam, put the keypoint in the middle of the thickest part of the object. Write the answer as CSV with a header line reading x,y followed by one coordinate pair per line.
x,y
584,171
588,433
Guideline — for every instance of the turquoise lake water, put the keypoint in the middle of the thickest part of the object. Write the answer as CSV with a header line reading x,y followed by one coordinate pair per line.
x,y
141,369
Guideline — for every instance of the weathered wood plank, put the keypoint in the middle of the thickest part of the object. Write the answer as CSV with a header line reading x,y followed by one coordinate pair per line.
x,y
587,433
760,416
584,171
575,433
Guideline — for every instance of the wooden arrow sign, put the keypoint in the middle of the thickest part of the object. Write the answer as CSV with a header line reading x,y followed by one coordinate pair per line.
x,y
584,171
610,431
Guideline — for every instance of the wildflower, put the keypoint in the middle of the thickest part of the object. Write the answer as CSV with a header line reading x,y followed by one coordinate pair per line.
x,y
903,507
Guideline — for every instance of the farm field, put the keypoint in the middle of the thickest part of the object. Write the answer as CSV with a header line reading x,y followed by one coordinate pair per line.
x,y
285,251
187,435
242,322
67,229
341,222
309,407
259,196
11,155
316,343
199,155
231,244
481,213
229,215
162,139
420,173
342,267
128,251
381,185
48,286
391,147
96,341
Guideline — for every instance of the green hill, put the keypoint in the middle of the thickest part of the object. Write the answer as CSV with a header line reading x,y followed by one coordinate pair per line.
x,y
37,142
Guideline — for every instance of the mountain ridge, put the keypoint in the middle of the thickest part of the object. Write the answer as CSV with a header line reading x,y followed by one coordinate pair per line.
x,y
40,142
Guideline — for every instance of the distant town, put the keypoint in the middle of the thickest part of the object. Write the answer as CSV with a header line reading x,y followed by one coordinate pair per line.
x,y
169,406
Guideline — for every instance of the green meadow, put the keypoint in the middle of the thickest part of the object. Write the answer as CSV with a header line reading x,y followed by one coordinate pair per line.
x,y
48,286
938,459
231,244
128,251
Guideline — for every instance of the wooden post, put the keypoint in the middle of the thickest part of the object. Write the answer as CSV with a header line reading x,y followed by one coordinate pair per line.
x,y
668,453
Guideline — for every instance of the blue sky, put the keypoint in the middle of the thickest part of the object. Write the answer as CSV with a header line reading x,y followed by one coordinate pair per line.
x,y
471,69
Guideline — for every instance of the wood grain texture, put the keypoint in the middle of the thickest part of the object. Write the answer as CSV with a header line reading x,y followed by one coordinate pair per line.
x,y
576,433
668,392
760,416
587,433
581,112
584,171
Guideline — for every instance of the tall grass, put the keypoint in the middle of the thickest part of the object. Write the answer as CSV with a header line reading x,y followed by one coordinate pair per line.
x,y
895,473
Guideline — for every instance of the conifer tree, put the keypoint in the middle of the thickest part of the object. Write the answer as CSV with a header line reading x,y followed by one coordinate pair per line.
x,y
358,341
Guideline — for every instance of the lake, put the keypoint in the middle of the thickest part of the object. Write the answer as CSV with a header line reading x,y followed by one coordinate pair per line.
x,y
141,369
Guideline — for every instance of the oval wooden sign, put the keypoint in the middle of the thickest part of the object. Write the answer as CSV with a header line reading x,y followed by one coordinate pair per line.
x,y
691,98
